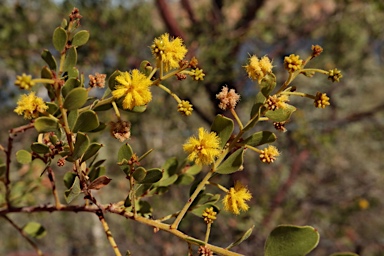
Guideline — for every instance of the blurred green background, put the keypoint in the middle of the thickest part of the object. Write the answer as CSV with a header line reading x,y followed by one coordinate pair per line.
x,y
330,173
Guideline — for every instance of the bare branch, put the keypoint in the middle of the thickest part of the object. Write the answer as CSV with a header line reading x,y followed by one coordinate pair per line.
x,y
168,19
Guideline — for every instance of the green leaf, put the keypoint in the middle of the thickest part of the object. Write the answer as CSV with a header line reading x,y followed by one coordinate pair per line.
x,y
87,121
73,192
72,118
256,110
153,175
259,138
268,84
289,240
111,80
69,85
81,145
164,182
49,59
144,208
91,151
76,98
34,229
69,179
139,173
193,170
170,167
184,179
242,238
59,39
96,172
80,38
73,73
70,59
39,148
47,73
99,128
233,163
223,127
46,124
23,156
52,107
280,115
125,153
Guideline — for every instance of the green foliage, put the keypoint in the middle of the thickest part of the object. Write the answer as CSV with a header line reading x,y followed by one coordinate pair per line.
x,y
287,240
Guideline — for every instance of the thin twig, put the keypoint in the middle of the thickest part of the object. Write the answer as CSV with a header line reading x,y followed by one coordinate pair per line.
x,y
23,234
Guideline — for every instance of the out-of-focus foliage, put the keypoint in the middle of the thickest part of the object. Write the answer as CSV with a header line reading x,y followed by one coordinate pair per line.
x,y
330,174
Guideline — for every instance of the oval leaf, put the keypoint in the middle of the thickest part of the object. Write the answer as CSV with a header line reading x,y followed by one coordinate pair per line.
x,y
87,121
59,39
259,138
34,229
91,151
49,59
125,153
288,240
99,183
280,115
70,59
73,192
46,124
23,156
185,179
69,178
139,173
232,163
39,148
70,84
80,38
96,172
75,98
153,175
81,144
223,127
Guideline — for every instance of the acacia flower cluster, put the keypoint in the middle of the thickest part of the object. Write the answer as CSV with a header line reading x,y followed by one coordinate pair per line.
x,y
257,68
170,52
292,63
185,107
334,75
97,80
228,99
235,199
204,149
277,102
24,82
209,215
30,106
269,154
321,100
134,88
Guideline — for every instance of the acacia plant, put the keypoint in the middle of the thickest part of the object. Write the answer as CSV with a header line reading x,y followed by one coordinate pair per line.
x,y
65,120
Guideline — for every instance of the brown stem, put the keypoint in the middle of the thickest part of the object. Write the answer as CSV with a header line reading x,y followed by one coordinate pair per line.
x,y
108,233
168,19
51,177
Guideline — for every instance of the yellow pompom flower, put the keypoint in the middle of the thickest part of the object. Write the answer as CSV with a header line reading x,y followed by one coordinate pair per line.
x,y
24,82
292,63
170,52
134,88
30,106
235,199
321,100
258,69
203,150
269,154
185,107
